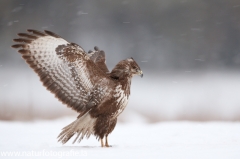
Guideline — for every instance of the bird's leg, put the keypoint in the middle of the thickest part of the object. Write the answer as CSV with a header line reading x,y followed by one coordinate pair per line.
x,y
102,145
106,141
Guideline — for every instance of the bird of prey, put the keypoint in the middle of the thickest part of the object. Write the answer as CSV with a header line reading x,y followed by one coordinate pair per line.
x,y
80,80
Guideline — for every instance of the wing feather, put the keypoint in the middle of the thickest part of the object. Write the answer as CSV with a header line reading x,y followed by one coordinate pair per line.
x,y
98,57
64,68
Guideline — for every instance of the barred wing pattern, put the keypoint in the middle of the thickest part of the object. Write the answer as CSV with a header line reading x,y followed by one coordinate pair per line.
x,y
64,68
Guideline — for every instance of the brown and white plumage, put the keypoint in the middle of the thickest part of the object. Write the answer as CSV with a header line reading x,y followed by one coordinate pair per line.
x,y
80,80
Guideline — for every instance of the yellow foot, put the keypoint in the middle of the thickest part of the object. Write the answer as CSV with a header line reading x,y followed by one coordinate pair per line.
x,y
108,145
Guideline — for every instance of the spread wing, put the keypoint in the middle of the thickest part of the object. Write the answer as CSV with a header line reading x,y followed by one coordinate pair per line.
x,y
64,68
98,57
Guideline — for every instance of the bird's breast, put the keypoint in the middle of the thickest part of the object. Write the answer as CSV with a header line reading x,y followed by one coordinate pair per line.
x,y
121,100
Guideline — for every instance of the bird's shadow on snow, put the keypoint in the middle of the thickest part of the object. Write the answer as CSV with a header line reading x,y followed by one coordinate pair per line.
x,y
85,147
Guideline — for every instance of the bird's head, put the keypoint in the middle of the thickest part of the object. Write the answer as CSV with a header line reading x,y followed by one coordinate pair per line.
x,y
126,68
133,67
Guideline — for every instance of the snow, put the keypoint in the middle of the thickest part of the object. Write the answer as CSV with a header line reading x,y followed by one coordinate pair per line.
x,y
166,140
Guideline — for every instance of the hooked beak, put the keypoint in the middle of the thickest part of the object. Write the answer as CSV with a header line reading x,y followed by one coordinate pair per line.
x,y
141,73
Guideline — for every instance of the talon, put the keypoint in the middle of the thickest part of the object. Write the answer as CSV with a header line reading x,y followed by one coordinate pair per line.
x,y
108,146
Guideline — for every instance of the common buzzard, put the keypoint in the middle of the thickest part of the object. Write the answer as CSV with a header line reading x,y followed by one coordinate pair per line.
x,y
80,80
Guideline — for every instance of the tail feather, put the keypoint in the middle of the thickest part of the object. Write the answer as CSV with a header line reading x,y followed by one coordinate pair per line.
x,y
82,126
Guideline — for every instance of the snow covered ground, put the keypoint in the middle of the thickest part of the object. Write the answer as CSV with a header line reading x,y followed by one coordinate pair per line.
x,y
166,140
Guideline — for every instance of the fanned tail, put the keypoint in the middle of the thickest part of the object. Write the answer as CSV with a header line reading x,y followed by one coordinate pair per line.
x,y
82,127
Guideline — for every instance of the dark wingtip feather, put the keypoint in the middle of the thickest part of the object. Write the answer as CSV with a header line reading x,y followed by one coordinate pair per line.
x,y
36,32
23,51
19,46
96,48
52,34
102,52
27,36
22,40
16,46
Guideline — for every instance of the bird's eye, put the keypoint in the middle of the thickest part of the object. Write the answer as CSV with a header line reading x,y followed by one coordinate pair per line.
x,y
134,67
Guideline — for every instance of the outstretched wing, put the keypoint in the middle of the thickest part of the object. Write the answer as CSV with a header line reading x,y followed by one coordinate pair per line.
x,y
98,57
63,67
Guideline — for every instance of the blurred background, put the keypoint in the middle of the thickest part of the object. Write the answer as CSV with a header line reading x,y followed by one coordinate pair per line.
x,y
188,50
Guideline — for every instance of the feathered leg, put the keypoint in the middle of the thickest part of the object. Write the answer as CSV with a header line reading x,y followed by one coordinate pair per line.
x,y
110,129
